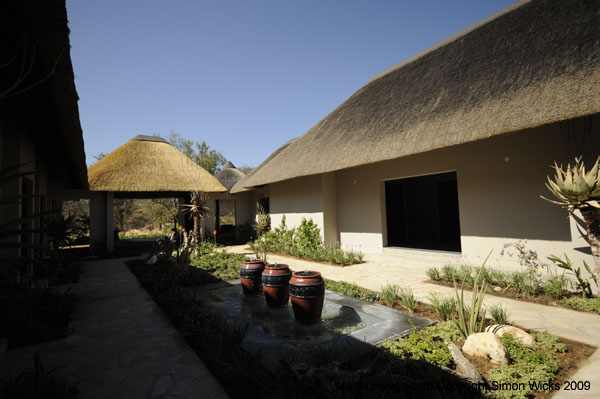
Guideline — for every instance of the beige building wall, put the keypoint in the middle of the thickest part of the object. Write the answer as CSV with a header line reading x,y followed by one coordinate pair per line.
x,y
499,184
296,199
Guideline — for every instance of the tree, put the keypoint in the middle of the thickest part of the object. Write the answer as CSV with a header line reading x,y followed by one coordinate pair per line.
x,y
247,169
201,153
197,209
577,189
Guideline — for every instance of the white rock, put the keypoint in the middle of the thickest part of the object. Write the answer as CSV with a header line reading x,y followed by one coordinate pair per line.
x,y
487,345
518,334
153,259
497,289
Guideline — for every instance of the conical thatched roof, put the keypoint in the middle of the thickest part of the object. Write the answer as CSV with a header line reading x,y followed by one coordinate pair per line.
x,y
532,64
150,164
229,175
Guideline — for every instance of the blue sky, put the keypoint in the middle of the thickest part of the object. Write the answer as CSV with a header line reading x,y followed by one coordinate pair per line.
x,y
244,76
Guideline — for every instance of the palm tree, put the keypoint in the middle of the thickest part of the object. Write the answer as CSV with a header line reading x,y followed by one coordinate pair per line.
x,y
577,189
197,209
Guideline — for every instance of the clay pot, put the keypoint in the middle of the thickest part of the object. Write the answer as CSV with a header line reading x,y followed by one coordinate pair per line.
x,y
276,285
307,291
250,276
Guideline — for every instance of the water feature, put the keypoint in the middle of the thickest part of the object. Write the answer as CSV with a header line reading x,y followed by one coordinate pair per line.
x,y
276,334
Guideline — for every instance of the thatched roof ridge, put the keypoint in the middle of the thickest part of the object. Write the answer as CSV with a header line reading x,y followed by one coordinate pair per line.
x,y
241,185
150,165
533,64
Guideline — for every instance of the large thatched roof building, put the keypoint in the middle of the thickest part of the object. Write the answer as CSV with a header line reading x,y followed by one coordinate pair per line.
x,y
148,164
531,64
449,149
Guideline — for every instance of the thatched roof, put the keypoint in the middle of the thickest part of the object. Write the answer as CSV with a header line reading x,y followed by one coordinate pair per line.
x,y
35,34
229,175
150,164
241,185
532,64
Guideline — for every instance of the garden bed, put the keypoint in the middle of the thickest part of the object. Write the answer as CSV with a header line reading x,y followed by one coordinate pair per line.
x,y
219,345
571,301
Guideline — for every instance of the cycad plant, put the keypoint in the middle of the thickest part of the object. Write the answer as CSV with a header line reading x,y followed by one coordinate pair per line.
x,y
575,188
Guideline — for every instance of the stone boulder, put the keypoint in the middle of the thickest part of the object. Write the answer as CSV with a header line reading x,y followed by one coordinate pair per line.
x,y
518,334
153,259
486,345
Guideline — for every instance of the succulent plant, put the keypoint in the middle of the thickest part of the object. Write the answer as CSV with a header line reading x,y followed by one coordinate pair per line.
x,y
574,187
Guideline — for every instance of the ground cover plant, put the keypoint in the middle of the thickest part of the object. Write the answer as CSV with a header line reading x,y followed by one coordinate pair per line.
x,y
304,242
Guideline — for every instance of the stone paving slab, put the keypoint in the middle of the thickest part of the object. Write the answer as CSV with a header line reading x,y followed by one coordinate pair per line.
x,y
409,271
120,345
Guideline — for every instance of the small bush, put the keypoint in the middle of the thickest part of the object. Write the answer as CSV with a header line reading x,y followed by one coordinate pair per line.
x,y
556,287
584,304
407,299
445,307
450,273
434,274
390,293
499,314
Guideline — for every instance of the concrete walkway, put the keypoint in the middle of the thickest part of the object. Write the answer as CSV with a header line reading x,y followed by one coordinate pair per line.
x,y
407,269
121,345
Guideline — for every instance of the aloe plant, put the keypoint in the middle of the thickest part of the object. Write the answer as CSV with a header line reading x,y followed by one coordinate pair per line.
x,y
198,209
471,318
575,188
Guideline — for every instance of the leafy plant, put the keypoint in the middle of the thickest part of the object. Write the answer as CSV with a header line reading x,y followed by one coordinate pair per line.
x,y
449,272
445,306
197,209
528,281
583,284
556,287
544,341
263,220
584,304
471,317
499,314
446,331
421,346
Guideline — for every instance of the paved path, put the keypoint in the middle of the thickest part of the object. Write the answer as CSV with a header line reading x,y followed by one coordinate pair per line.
x,y
407,269
121,345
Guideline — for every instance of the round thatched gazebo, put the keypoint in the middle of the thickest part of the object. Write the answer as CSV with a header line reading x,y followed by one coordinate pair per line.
x,y
144,167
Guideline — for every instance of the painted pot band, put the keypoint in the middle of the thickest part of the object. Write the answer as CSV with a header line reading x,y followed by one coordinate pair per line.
x,y
250,273
278,280
307,291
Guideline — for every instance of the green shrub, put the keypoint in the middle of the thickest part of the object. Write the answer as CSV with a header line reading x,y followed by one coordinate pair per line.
x,y
222,265
542,359
304,242
499,314
434,274
421,346
584,304
450,273
445,307
556,287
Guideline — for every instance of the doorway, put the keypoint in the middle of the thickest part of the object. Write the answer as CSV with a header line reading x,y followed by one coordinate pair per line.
x,y
422,212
